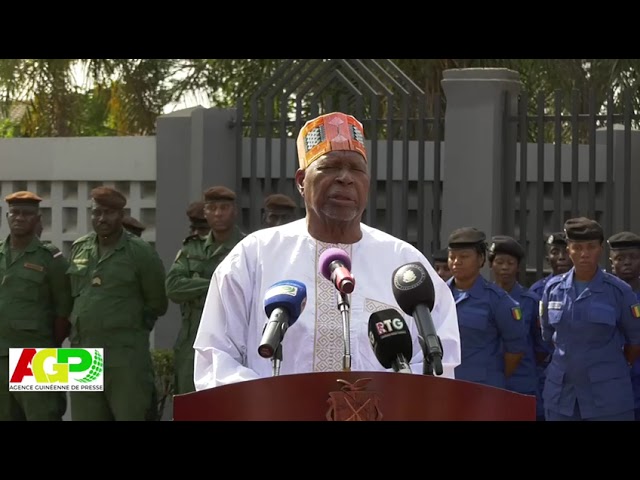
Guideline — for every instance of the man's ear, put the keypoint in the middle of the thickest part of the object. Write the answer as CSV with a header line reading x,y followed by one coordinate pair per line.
x,y
300,181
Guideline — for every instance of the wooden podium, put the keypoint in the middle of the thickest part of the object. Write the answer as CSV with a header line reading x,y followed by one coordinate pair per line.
x,y
354,396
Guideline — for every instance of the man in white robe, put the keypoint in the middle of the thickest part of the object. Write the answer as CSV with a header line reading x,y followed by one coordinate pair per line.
x,y
333,179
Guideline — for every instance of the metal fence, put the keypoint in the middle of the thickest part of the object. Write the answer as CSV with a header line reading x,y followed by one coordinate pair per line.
x,y
395,115
581,163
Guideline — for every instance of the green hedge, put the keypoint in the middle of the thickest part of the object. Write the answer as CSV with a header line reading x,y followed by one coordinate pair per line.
x,y
164,377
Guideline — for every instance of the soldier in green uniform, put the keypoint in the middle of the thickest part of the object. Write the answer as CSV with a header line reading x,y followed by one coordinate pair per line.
x,y
188,279
133,225
35,303
117,282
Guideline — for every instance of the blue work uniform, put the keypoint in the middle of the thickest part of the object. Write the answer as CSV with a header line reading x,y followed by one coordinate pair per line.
x,y
635,380
588,377
538,287
541,347
490,323
525,379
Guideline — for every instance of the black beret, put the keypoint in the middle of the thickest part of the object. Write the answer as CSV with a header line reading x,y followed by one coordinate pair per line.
x,y
624,240
557,238
108,197
441,255
219,193
279,200
507,245
583,229
466,237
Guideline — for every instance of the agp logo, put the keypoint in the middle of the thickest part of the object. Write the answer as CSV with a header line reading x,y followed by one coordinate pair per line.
x,y
60,369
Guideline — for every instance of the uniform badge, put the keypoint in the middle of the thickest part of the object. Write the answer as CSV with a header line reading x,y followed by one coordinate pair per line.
x,y
96,281
635,310
516,313
352,404
33,266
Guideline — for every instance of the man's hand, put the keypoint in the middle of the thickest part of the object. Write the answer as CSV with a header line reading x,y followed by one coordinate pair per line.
x,y
61,330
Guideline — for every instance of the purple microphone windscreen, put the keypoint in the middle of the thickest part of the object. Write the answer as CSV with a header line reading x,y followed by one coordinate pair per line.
x,y
328,257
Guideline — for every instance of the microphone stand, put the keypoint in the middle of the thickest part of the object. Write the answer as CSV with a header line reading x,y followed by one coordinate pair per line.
x,y
276,360
427,366
345,309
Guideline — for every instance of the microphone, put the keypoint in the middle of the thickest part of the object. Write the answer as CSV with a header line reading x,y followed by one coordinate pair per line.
x,y
391,340
334,264
283,304
414,291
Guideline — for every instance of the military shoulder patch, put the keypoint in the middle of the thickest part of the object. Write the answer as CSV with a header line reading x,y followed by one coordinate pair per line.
x,y
55,251
635,310
190,238
516,313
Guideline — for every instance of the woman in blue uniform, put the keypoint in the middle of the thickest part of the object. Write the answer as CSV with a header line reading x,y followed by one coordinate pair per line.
x,y
492,332
593,318
505,256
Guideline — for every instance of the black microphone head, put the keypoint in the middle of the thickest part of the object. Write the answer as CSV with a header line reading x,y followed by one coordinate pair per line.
x,y
389,336
412,285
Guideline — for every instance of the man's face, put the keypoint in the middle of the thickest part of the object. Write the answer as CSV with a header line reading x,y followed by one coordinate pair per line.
x,y
558,259
336,186
23,219
105,220
442,269
275,216
625,263
220,215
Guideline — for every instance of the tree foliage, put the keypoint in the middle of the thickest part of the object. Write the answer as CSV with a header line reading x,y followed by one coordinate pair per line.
x,y
42,97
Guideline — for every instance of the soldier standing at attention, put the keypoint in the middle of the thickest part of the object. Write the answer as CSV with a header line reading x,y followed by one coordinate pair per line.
x,y
492,333
117,282
625,262
557,258
189,276
35,303
593,319
505,257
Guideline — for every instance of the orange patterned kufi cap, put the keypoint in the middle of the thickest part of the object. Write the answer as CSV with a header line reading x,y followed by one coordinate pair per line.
x,y
326,133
